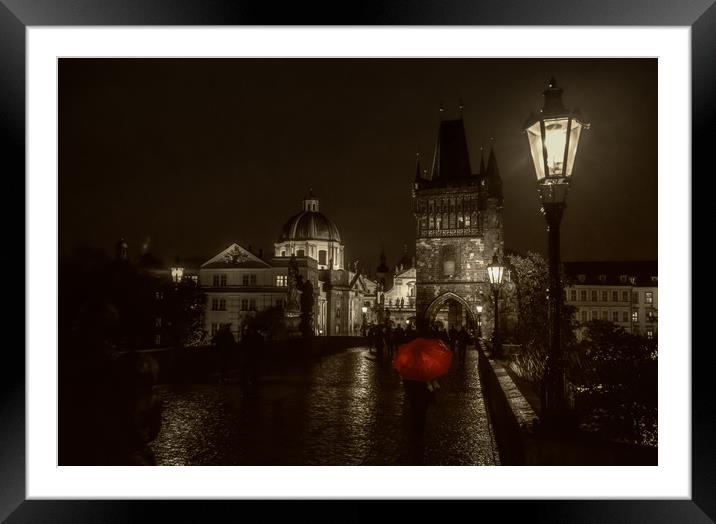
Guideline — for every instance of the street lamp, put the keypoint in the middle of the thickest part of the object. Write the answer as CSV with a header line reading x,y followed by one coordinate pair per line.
x,y
553,137
495,271
364,309
479,321
177,274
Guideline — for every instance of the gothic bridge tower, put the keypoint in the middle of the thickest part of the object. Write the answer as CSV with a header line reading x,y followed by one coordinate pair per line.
x,y
458,217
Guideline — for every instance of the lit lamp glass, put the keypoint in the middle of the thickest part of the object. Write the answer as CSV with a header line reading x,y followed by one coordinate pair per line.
x,y
495,271
364,309
177,273
479,310
553,137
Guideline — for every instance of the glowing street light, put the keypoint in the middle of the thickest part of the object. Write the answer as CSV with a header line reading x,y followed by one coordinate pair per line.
x,y
479,320
495,272
553,137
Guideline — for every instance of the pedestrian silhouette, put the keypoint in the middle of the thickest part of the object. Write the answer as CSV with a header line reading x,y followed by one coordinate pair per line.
x,y
224,343
418,397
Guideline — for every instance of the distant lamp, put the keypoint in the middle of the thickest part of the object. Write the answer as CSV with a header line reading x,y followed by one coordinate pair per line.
x,y
495,272
364,309
177,274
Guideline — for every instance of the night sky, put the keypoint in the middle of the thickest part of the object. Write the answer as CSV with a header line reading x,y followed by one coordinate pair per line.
x,y
196,154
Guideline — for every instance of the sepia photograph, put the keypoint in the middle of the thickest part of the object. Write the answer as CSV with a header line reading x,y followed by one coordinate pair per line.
x,y
357,261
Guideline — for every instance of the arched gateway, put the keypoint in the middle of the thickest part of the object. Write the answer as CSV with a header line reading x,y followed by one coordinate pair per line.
x,y
451,310
458,217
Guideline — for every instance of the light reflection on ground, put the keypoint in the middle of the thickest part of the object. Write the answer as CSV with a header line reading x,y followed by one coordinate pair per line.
x,y
347,409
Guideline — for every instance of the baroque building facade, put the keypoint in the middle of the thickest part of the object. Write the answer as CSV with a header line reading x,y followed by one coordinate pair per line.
x,y
239,284
458,227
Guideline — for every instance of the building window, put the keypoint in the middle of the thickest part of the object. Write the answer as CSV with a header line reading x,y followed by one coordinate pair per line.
x,y
625,316
584,315
654,279
635,297
253,279
244,304
602,278
449,262
605,315
615,316
625,296
283,253
605,296
158,322
244,280
583,295
594,296
623,279
649,297
322,256
582,278
157,339
214,328
595,314
573,295
615,296
300,253
635,316
282,280
649,334
215,281
158,295
222,280
650,316
218,304
252,304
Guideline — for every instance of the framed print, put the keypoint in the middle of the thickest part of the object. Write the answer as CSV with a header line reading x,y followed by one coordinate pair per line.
x,y
402,254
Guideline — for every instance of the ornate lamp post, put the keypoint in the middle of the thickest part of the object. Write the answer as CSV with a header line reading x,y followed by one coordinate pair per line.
x,y
479,321
495,272
553,137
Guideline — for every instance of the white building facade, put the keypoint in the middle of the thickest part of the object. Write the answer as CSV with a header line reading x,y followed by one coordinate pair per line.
x,y
625,293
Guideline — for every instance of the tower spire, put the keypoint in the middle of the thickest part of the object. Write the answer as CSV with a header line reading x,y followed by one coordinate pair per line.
x,y
418,171
494,181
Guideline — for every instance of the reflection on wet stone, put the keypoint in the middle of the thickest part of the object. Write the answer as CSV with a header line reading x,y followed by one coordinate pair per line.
x,y
347,409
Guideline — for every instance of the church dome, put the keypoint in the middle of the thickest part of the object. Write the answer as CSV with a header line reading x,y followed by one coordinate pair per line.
x,y
310,224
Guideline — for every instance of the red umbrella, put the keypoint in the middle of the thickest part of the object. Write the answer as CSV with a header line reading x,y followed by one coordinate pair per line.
x,y
423,359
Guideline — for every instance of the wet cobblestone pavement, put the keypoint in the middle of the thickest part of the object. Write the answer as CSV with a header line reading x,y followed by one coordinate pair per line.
x,y
346,409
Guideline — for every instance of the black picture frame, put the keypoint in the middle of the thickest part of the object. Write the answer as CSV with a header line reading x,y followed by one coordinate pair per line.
x,y
17,15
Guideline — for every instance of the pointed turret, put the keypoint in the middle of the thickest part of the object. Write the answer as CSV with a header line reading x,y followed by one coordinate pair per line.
x,y
418,171
492,176
451,161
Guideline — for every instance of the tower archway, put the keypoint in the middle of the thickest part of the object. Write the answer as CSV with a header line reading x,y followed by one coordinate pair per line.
x,y
450,310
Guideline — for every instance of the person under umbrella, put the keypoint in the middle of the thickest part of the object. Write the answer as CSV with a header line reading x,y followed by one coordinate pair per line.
x,y
420,362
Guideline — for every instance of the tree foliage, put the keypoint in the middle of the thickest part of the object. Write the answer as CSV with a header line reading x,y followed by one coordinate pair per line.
x,y
616,379
529,295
